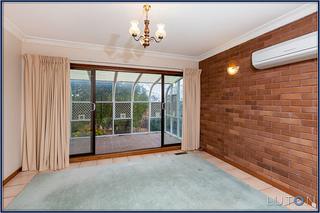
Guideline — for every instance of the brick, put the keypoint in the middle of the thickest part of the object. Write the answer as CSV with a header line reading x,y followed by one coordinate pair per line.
x,y
290,84
299,128
290,109
265,113
272,119
309,109
280,126
308,136
301,76
273,86
280,171
300,154
264,120
289,72
281,102
300,167
302,115
309,123
234,132
301,141
306,103
305,89
290,133
309,82
290,121
309,96
290,96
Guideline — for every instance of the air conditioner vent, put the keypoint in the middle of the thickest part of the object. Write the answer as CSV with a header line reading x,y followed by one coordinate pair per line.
x,y
298,49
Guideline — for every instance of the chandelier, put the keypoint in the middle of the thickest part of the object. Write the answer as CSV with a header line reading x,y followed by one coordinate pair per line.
x,y
145,39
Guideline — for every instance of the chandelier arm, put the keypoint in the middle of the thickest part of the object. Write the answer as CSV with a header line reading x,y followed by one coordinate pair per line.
x,y
138,39
154,39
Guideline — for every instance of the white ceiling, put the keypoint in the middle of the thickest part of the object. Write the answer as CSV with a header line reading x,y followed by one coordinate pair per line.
x,y
192,28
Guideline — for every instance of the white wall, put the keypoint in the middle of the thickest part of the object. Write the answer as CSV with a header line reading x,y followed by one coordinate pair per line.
x,y
12,79
99,55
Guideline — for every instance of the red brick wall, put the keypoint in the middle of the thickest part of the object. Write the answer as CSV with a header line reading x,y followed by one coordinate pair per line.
x,y
264,120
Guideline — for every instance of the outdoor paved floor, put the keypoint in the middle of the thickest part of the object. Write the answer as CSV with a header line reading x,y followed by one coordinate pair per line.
x,y
111,144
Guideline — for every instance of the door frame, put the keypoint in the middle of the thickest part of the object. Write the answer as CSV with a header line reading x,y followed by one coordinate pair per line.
x,y
93,68
93,112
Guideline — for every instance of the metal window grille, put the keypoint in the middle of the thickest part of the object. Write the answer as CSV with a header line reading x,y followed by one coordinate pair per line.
x,y
155,110
81,111
123,110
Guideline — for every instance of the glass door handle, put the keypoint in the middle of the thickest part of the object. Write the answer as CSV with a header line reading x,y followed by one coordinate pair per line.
x,y
163,105
94,107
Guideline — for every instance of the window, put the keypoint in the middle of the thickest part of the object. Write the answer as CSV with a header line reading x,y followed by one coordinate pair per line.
x,y
109,104
173,100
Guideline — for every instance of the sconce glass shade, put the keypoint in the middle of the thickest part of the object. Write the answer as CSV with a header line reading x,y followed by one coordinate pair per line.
x,y
233,69
160,33
134,29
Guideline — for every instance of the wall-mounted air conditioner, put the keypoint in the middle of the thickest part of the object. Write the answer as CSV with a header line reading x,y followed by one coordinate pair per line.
x,y
298,49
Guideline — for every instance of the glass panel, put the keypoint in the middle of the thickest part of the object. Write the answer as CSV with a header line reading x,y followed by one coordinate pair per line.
x,y
155,110
80,129
120,110
180,128
122,126
180,102
80,141
181,90
81,110
155,95
142,91
129,111
174,126
155,101
172,79
80,85
103,119
123,110
140,117
104,106
123,91
180,108
144,85
173,109
81,106
103,90
174,105
127,76
149,78
168,123
168,110
155,124
105,75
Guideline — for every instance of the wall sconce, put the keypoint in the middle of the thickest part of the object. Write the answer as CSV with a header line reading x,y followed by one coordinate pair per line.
x,y
233,68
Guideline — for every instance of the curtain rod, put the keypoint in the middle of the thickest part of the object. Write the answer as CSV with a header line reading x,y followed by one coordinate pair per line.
x,y
124,65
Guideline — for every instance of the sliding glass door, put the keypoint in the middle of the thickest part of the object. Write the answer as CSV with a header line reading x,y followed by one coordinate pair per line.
x,y
104,113
82,109
116,111
173,109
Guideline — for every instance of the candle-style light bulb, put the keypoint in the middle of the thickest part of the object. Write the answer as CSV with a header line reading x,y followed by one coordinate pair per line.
x,y
160,33
134,29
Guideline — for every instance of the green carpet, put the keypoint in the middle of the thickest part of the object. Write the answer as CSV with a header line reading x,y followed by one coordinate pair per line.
x,y
174,182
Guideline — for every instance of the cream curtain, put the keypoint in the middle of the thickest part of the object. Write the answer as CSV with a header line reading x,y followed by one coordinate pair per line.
x,y
191,109
46,99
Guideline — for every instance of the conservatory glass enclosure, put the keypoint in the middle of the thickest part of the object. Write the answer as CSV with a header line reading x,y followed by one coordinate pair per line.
x,y
120,111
